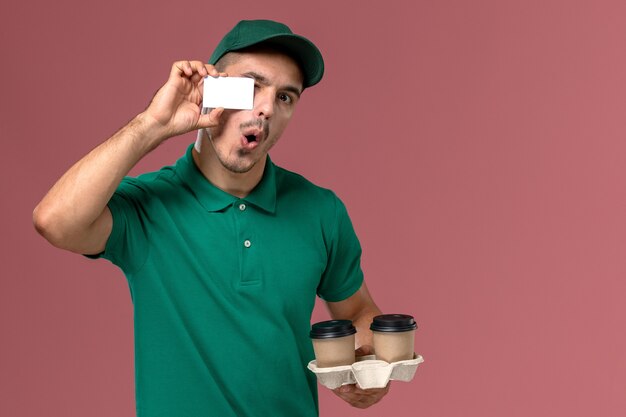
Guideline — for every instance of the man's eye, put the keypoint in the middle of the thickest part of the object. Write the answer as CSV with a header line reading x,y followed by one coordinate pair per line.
x,y
284,97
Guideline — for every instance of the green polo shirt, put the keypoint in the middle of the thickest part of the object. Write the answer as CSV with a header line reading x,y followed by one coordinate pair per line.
x,y
223,288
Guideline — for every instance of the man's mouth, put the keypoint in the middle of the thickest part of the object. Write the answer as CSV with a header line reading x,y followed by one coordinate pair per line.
x,y
250,139
252,136
253,133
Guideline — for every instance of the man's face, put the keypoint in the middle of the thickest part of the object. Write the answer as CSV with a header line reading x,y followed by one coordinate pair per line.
x,y
244,137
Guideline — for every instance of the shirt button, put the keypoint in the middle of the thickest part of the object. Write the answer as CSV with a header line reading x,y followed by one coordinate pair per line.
x,y
247,243
242,207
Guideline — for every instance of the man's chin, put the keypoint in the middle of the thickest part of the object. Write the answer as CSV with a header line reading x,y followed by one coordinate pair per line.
x,y
239,169
241,166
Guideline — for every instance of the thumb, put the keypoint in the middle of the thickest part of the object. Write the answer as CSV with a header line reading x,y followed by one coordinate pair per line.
x,y
211,119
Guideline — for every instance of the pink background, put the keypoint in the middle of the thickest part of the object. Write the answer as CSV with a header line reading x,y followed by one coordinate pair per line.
x,y
479,147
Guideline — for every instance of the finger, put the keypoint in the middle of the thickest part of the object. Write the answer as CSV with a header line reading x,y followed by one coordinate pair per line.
x,y
199,67
178,69
211,119
197,78
345,389
185,68
211,70
372,392
181,69
366,403
357,401
189,68
363,401
369,396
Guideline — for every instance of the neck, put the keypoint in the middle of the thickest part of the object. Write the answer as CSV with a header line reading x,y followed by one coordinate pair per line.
x,y
237,184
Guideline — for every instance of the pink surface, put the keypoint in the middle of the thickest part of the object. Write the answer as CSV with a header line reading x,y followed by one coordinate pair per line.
x,y
479,147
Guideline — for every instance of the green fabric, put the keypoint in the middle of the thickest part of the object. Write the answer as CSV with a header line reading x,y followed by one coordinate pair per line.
x,y
221,329
247,33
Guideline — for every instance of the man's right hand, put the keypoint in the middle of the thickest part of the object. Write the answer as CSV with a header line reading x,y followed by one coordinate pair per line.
x,y
74,214
177,107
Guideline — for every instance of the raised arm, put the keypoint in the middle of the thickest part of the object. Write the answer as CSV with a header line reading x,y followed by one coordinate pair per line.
x,y
74,215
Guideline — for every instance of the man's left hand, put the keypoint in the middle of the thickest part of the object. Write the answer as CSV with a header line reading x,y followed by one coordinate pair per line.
x,y
357,397
360,398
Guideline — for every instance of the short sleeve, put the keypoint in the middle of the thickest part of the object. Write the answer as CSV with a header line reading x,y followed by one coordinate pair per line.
x,y
343,275
127,246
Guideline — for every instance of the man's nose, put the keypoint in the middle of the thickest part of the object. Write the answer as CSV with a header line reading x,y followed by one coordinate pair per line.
x,y
263,104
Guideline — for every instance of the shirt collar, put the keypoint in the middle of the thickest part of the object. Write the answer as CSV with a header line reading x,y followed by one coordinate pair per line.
x,y
214,199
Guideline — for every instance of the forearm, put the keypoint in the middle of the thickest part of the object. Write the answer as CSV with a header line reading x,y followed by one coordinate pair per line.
x,y
362,322
74,215
360,308
80,196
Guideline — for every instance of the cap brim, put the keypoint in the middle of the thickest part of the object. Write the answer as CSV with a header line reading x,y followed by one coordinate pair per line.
x,y
305,52
298,47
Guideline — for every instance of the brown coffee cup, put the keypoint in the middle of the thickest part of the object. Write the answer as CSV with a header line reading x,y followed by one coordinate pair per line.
x,y
333,343
393,337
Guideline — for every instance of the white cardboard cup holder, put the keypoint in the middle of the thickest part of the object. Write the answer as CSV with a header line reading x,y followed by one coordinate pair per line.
x,y
367,372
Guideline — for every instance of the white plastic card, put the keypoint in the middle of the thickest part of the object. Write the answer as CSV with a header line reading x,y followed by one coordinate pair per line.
x,y
228,92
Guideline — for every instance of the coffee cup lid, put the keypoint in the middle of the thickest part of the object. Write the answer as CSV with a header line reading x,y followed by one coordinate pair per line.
x,y
393,323
331,329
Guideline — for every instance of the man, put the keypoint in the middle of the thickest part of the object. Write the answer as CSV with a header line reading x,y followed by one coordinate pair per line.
x,y
224,251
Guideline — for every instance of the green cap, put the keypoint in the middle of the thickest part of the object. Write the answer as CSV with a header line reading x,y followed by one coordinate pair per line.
x,y
252,32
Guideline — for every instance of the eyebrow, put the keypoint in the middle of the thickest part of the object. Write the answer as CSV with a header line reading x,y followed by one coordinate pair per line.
x,y
265,81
